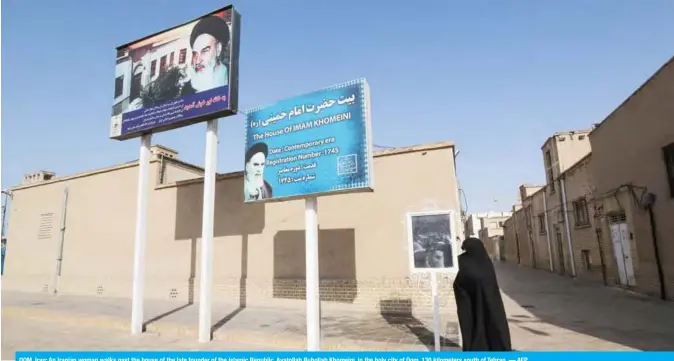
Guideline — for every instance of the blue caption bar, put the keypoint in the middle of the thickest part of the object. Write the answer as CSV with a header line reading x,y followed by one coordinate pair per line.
x,y
339,356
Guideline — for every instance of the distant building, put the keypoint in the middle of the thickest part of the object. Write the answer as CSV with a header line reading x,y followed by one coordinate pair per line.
x,y
552,228
476,221
488,227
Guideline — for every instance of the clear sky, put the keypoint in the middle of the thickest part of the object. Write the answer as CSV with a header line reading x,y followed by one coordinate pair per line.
x,y
496,77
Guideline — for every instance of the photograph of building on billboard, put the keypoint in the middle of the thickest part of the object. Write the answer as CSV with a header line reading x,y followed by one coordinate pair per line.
x,y
308,145
178,77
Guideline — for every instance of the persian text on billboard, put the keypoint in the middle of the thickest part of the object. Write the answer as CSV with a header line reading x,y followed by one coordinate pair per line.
x,y
311,144
182,74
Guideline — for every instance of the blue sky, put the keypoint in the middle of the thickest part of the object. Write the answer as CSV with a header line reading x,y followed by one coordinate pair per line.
x,y
496,77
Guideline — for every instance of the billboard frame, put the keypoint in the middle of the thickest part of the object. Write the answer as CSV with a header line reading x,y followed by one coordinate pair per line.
x,y
452,234
233,75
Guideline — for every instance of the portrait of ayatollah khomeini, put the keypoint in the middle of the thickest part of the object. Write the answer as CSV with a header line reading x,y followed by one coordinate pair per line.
x,y
208,68
254,185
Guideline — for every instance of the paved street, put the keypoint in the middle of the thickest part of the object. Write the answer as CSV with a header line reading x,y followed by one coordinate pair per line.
x,y
545,311
551,312
23,333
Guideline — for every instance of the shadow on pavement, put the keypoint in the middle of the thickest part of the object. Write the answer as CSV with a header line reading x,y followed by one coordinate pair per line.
x,y
585,307
190,296
165,314
406,320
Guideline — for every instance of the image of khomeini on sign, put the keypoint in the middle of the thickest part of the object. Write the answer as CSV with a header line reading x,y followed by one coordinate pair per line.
x,y
209,41
254,185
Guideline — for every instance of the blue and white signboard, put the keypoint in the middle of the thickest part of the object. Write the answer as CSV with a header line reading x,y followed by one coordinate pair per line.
x,y
309,145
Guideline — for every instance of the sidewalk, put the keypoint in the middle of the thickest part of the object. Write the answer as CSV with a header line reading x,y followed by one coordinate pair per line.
x,y
280,328
26,334
545,311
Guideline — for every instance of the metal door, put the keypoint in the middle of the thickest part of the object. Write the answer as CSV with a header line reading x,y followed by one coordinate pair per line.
x,y
621,249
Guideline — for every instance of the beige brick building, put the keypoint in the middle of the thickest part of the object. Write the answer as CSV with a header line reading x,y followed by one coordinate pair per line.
x,y
593,213
259,248
491,233
633,167
540,231
488,227
477,221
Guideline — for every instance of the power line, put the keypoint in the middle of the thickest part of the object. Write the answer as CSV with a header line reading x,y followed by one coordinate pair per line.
x,y
383,146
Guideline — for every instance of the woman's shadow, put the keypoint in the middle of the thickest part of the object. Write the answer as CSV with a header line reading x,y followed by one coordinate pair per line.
x,y
403,316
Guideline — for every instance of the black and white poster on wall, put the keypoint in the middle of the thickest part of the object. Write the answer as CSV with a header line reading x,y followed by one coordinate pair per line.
x,y
432,246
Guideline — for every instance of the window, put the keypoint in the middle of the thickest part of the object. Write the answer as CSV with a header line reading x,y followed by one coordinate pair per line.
x,y
580,213
162,64
171,59
552,182
541,224
183,56
153,68
119,86
548,167
668,152
500,224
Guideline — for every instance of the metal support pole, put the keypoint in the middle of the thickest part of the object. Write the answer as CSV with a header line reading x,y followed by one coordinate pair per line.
x,y
206,282
436,311
313,277
141,235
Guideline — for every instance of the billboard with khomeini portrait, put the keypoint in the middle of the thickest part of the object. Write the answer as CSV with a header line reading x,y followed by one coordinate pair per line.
x,y
181,76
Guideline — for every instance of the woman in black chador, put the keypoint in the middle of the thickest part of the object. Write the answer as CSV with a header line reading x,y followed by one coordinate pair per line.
x,y
482,317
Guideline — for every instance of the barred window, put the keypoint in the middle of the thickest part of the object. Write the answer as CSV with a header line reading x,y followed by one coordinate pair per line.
x,y
580,213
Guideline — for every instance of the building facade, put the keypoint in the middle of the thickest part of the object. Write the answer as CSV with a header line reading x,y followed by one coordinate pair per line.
x,y
258,248
477,221
488,227
606,210
559,234
633,167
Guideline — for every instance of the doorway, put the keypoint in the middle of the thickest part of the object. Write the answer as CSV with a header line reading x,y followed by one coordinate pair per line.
x,y
621,249
561,269
532,244
501,248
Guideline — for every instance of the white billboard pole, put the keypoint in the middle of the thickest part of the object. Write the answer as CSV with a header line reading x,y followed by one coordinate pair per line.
x,y
436,311
313,277
140,243
207,224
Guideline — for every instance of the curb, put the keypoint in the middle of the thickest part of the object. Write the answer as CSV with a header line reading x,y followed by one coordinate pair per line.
x,y
244,337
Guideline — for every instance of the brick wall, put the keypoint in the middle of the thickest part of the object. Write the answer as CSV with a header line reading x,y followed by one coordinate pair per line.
x,y
392,295
588,259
